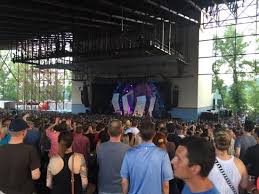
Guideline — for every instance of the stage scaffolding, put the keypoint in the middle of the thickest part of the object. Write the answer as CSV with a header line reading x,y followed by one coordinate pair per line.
x,y
35,85
242,15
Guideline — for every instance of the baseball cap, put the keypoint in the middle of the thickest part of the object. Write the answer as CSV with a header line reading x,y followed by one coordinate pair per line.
x,y
17,125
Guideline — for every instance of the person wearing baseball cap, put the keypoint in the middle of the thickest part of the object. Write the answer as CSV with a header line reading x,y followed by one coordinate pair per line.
x,y
19,163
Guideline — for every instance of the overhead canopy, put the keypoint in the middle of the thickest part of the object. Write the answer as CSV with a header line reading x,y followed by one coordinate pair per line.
x,y
25,19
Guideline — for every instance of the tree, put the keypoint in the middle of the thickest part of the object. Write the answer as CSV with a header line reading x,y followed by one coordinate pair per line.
x,y
24,79
231,49
69,90
8,85
252,95
218,83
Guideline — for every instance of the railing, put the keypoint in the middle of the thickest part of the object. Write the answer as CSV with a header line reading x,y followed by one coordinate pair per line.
x,y
170,51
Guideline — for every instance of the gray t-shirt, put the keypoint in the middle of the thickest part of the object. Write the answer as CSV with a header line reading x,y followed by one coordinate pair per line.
x,y
109,157
244,142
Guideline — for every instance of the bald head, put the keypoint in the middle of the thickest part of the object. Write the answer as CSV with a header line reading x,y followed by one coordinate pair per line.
x,y
115,128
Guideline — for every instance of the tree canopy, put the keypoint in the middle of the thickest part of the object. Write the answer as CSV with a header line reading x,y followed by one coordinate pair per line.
x,y
230,51
24,82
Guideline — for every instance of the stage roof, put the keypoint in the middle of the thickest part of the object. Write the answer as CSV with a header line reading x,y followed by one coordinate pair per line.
x,y
22,19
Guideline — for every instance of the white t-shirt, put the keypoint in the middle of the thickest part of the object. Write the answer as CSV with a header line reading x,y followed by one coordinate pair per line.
x,y
181,136
133,130
231,171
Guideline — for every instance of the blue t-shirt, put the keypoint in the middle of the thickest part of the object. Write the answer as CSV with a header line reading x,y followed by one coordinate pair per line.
x,y
186,190
32,137
146,167
5,140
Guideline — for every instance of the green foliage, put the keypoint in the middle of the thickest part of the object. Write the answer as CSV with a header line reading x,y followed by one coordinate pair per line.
x,y
231,50
252,96
8,86
13,79
237,100
217,82
68,91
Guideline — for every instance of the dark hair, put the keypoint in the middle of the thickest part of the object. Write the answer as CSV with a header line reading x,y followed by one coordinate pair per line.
x,y
218,127
249,126
205,133
170,127
257,131
200,152
159,139
104,136
134,123
61,127
85,127
100,126
164,131
115,128
130,135
79,129
65,140
147,130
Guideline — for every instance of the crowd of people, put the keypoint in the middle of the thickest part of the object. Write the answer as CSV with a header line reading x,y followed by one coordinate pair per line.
x,y
43,152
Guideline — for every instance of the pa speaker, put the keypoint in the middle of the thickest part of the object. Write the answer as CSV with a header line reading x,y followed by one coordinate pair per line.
x,y
175,96
84,96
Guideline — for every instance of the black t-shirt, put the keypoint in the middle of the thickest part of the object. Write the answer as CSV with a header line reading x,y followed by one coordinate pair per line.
x,y
16,163
174,138
251,160
91,137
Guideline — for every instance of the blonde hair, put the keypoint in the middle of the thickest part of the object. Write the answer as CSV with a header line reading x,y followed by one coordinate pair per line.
x,y
125,139
222,140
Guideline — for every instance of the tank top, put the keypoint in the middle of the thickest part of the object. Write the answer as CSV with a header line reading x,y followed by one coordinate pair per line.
x,y
62,181
231,171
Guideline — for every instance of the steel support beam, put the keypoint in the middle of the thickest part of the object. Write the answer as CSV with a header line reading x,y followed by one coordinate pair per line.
x,y
47,20
57,14
200,9
172,11
9,69
136,12
84,9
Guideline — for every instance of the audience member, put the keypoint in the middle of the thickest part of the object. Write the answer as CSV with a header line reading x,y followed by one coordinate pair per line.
x,y
245,141
160,141
134,128
146,169
80,143
33,136
228,173
192,163
19,163
4,136
53,134
67,170
251,158
144,165
109,157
